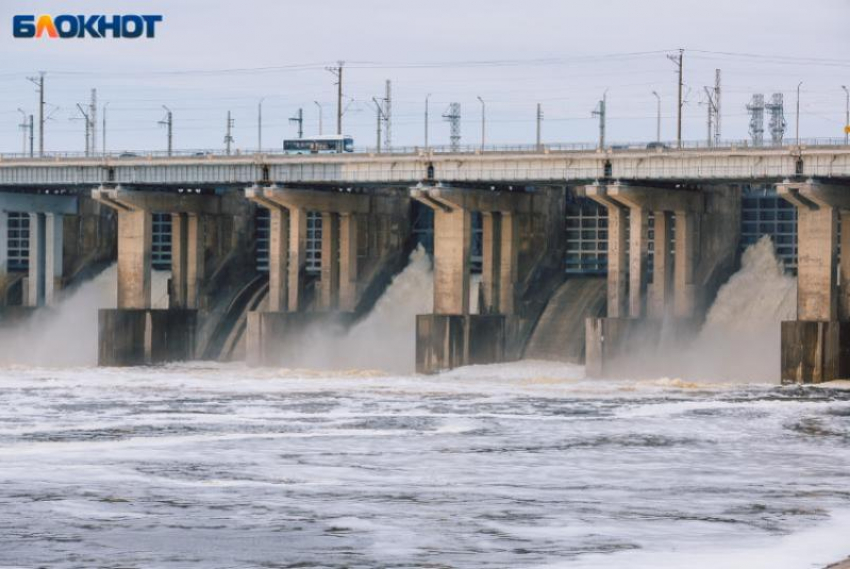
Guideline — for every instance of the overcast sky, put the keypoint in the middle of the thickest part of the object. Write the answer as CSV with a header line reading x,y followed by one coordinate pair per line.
x,y
211,57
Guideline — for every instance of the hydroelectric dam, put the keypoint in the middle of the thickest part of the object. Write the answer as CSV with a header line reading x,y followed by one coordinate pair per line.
x,y
566,253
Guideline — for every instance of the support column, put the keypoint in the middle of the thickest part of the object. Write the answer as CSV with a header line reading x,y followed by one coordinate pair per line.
x,y
638,249
348,268
329,283
817,252
278,259
179,241
661,266
844,269
452,245
297,257
4,244
684,290
491,262
134,259
53,242
37,269
617,301
509,265
194,259
187,260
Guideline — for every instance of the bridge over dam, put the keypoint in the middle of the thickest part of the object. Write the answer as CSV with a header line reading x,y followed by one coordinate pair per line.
x,y
263,247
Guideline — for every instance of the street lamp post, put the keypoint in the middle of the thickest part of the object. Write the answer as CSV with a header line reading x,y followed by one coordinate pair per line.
x,y
798,112
846,114
260,125
169,124
483,121
321,112
23,130
657,117
428,96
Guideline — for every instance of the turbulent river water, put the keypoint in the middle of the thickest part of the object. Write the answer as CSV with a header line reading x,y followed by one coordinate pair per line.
x,y
526,464
515,465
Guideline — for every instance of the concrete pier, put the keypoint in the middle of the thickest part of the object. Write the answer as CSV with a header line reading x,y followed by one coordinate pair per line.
x,y
134,333
707,230
520,236
363,242
816,346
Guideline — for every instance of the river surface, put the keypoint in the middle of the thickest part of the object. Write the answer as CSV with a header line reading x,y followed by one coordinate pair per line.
x,y
515,465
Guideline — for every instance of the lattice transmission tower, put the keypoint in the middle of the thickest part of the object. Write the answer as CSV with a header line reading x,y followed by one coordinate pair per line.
x,y
756,110
777,124
452,116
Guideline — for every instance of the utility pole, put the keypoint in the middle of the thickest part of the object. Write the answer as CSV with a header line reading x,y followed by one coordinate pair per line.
x,y
388,114
710,106
39,82
32,137
679,61
600,112
299,119
798,112
260,125
380,117
228,137
713,108
318,104
539,124
846,114
657,116
168,122
428,96
483,121
23,126
716,107
103,128
88,126
337,71
93,121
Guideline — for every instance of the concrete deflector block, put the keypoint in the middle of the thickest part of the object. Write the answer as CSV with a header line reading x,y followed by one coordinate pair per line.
x,y
273,338
447,341
815,351
131,337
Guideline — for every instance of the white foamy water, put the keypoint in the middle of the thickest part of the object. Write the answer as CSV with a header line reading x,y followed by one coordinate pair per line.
x,y
385,339
67,334
740,340
515,465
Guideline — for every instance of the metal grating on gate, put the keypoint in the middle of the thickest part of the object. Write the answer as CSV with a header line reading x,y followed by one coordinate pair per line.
x,y
19,241
314,242
262,220
587,237
161,241
763,212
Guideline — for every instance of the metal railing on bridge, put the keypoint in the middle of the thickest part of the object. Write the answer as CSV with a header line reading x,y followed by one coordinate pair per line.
x,y
470,149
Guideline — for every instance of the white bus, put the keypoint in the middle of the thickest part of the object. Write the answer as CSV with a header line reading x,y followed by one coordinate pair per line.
x,y
327,144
